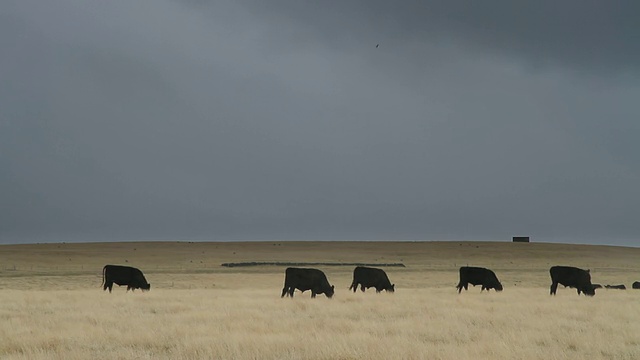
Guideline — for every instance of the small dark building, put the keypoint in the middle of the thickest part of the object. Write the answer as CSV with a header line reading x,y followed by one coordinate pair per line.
x,y
520,239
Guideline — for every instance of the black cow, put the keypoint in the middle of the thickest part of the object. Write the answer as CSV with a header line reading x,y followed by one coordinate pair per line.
x,y
617,287
635,285
572,277
306,279
478,276
368,277
123,275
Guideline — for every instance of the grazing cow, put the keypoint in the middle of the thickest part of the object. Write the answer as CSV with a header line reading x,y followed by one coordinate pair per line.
x,y
478,276
123,275
596,286
306,279
635,285
572,277
368,277
617,287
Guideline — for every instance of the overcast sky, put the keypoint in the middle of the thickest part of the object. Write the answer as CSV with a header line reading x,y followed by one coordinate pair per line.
x,y
260,120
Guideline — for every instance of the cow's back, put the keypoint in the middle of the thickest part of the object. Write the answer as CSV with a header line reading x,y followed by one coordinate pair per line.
x,y
476,274
297,276
370,275
117,272
569,275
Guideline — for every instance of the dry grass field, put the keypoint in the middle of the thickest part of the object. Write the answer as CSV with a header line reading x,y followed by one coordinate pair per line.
x,y
52,305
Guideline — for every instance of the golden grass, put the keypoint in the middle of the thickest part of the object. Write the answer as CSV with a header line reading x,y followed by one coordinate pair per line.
x,y
53,308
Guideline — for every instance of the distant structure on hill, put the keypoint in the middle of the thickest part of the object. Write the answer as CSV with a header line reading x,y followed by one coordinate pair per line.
x,y
520,239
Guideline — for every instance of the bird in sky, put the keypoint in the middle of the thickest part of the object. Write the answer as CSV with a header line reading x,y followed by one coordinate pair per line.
x,y
377,45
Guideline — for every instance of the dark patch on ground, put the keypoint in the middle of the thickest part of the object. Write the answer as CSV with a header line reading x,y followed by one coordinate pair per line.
x,y
281,263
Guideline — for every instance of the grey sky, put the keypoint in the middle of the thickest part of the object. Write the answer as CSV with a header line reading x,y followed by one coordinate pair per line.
x,y
254,120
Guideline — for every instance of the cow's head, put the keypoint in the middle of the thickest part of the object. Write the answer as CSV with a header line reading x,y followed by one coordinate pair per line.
x,y
391,288
498,286
589,290
145,287
330,291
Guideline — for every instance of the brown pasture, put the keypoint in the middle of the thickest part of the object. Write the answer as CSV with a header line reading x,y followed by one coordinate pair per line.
x,y
52,305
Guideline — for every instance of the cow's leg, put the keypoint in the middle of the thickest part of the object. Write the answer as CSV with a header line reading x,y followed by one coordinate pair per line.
x,y
362,287
313,293
459,287
354,286
284,291
554,287
291,290
482,288
110,286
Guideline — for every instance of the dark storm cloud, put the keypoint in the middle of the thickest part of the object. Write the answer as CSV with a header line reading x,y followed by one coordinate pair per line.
x,y
281,120
592,35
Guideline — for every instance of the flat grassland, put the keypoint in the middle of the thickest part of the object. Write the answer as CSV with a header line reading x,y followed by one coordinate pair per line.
x,y
52,305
